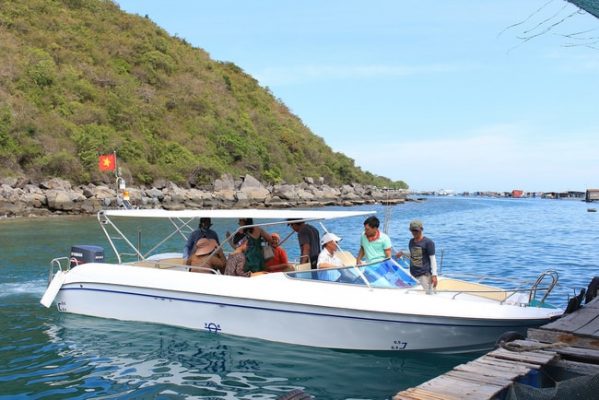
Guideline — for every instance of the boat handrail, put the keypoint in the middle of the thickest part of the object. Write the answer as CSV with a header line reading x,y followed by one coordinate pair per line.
x,y
57,263
553,275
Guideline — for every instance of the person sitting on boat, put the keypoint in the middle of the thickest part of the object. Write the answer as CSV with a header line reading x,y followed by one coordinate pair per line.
x,y
204,256
374,244
236,260
256,236
279,262
308,238
203,231
329,257
423,263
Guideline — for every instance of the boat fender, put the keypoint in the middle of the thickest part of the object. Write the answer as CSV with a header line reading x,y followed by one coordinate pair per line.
x,y
592,290
296,394
507,337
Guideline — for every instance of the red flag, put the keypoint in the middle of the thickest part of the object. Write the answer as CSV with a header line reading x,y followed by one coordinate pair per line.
x,y
107,162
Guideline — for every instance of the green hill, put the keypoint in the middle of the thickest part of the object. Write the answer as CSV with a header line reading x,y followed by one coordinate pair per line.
x,y
80,78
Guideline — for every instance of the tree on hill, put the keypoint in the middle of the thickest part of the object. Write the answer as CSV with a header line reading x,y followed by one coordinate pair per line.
x,y
80,78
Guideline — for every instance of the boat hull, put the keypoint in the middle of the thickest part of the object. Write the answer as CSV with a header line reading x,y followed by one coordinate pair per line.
x,y
300,324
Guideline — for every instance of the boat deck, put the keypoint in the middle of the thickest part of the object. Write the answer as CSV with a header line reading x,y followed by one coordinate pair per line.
x,y
570,344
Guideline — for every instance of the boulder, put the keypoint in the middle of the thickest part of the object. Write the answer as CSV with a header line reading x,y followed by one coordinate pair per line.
x,y
56,184
225,183
9,181
253,189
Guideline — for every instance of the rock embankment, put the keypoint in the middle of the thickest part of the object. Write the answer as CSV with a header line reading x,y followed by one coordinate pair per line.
x,y
19,197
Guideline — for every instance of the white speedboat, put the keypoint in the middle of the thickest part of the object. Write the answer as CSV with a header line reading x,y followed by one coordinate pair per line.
x,y
376,307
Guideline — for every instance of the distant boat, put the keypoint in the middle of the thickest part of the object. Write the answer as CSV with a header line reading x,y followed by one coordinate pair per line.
x,y
517,193
591,209
445,192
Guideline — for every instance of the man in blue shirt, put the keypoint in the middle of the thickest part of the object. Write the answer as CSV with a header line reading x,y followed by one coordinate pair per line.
x,y
423,264
203,231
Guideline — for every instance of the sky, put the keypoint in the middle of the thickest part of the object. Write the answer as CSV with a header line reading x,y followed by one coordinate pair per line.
x,y
461,95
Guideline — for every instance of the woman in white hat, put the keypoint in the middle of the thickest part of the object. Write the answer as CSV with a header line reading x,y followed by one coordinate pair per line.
x,y
328,257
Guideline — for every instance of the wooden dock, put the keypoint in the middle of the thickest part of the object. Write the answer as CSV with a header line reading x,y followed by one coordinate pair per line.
x,y
570,344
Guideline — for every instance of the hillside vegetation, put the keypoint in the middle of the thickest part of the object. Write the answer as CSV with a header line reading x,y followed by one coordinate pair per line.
x,y
80,78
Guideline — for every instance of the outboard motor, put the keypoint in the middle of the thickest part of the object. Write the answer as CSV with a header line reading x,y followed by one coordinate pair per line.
x,y
82,254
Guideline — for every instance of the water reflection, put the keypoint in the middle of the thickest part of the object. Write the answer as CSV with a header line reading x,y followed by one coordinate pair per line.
x,y
149,360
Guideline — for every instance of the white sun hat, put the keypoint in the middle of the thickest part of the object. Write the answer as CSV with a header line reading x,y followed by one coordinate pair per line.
x,y
329,237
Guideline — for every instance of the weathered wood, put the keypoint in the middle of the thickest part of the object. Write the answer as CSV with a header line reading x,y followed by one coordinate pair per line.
x,y
576,320
579,354
480,378
525,356
488,370
458,387
571,343
420,394
571,339
576,367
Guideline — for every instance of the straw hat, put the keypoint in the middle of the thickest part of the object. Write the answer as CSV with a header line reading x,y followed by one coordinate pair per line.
x,y
205,246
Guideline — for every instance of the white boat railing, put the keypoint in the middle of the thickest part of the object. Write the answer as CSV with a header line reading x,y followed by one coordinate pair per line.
x,y
56,265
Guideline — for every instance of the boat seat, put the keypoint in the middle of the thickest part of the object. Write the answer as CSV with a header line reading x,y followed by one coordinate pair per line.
x,y
162,264
475,289
303,267
348,258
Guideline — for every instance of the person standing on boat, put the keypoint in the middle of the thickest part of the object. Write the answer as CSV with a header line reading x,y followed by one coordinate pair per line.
x,y
256,236
309,242
374,244
203,231
423,263
329,257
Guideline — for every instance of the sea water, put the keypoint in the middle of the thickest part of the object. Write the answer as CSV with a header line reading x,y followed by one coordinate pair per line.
x,y
45,354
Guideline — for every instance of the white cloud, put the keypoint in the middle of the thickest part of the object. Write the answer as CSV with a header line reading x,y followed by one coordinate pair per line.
x,y
497,158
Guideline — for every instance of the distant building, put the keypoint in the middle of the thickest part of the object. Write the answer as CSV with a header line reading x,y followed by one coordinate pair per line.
x,y
592,195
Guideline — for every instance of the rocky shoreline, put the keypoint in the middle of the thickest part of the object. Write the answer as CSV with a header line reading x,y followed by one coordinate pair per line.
x,y
21,198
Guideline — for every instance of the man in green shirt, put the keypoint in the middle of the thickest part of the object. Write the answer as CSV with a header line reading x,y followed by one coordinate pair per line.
x,y
374,244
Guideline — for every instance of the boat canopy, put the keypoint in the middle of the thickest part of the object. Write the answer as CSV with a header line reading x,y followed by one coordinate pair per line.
x,y
291,214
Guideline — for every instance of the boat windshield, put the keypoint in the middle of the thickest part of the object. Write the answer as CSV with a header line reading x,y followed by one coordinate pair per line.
x,y
383,274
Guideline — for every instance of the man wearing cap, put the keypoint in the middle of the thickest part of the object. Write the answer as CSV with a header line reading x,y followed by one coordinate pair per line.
x,y
374,244
203,231
423,263
328,257
204,255
308,238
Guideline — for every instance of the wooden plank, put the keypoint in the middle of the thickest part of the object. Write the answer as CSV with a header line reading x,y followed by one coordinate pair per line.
x,y
498,365
516,366
577,319
579,354
480,379
461,388
548,336
489,371
525,356
418,393
589,329
576,367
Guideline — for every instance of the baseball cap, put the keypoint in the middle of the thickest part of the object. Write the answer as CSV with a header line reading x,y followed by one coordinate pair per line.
x,y
329,237
416,225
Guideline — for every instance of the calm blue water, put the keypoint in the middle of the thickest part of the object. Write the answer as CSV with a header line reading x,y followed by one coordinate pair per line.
x,y
48,355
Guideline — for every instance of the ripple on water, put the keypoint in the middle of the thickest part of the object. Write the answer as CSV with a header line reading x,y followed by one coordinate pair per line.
x,y
45,354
